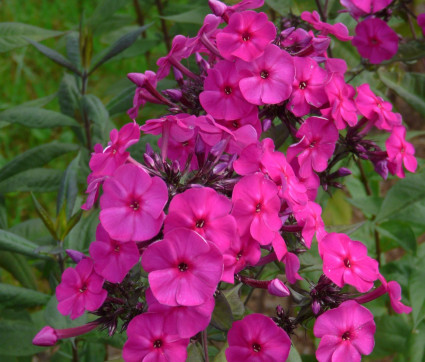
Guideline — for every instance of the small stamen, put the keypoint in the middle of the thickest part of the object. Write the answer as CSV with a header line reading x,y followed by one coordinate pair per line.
x,y
346,336
347,263
256,347
258,208
264,74
83,289
135,205
303,85
246,36
183,267
228,90
157,343
239,255
200,223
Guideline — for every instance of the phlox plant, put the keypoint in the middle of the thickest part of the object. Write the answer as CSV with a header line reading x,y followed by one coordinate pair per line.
x,y
262,121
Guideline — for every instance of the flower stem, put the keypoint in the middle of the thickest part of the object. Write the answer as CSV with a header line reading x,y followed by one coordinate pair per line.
x,y
205,344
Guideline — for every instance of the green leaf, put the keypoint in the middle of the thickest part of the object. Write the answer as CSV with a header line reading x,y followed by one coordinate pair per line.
x,y
283,7
222,317
221,356
16,337
98,116
84,232
93,352
401,233
409,86
73,48
18,267
122,102
71,223
233,296
17,244
194,16
55,56
36,179
16,297
3,213
391,336
68,188
412,50
104,10
368,204
294,356
416,344
12,35
35,157
33,117
69,95
403,194
195,353
417,293
120,45
44,216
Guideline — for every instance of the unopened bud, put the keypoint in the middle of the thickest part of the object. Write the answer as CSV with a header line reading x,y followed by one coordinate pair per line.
x,y
75,255
217,7
315,306
278,288
46,337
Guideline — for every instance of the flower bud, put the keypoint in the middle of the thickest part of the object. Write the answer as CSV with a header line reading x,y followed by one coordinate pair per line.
x,y
278,288
75,255
315,306
217,7
137,78
46,337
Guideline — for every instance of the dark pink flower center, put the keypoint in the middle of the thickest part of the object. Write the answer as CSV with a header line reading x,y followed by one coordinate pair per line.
x,y
135,205
347,263
246,36
239,255
200,223
374,41
256,347
264,74
117,248
185,143
303,85
183,267
157,343
346,336
258,207
83,288
228,90
235,124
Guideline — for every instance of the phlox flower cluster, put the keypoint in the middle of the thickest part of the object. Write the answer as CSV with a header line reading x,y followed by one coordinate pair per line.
x,y
219,197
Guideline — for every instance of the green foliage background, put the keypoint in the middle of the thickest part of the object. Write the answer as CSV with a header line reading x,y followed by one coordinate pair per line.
x,y
44,162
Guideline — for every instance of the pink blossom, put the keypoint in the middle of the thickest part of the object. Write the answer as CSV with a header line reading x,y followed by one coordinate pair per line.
x,y
112,259
48,336
375,109
132,204
268,79
346,333
142,95
421,22
92,190
312,223
339,30
148,341
80,290
345,261
250,158
105,162
221,96
308,87
342,107
257,338
182,320
204,211
292,266
359,8
256,207
318,139
400,152
184,269
246,36
375,40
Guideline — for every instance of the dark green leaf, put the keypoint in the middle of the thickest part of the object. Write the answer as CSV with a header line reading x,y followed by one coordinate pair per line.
x,y
55,56
69,96
409,86
117,340
17,244
368,204
120,45
283,7
222,317
104,10
18,267
233,296
294,356
71,223
3,213
35,157
221,356
68,188
139,48
16,297
33,117
73,48
391,336
416,344
39,102
122,102
37,180
44,216
195,353
412,50
93,352
401,233
12,35
83,233
194,16
16,337
98,116
417,292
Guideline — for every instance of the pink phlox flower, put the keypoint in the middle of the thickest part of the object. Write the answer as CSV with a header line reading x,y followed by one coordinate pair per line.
x,y
292,266
93,187
221,9
246,36
256,338
421,22
279,246
149,341
341,99
243,251
141,95
221,97
243,137
335,65
394,292
400,152
269,78
80,289
310,218
182,320
375,109
250,158
247,119
375,40
358,8
204,211
184,269
317,145
308,87
345,261
212,132
256,207
181,151
181,48
105,162
180,126
346,333
205,38
132,204
112,259
338,30
299,42
310,183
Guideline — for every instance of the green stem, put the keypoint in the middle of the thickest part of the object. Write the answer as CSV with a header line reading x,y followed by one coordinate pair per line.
x,y
205,344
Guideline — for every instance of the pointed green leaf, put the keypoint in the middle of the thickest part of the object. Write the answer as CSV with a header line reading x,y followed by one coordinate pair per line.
x,y
222,317
15,243
35,157
16,297
36,180
233,296
401,233
33,117
122,102
18,267
68,188
71,223
73,48
104,10
44,216
194,16
16,337
69,95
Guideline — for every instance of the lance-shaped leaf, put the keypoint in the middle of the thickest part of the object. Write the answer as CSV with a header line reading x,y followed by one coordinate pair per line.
x,y
16,337
222,317
44,216
35,157
104,10
55,56
36,180
120,45
11,296
33,117
14,35
15,243
68,188
19,268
